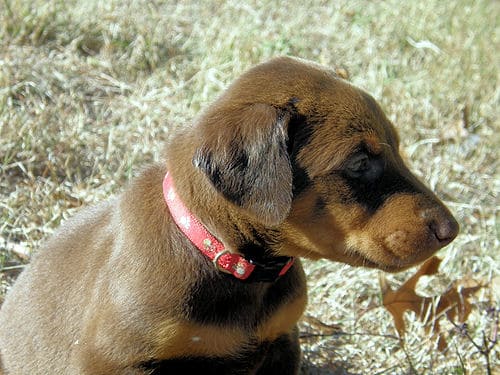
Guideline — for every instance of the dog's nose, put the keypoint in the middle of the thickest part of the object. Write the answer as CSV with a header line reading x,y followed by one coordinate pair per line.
x,y
443,226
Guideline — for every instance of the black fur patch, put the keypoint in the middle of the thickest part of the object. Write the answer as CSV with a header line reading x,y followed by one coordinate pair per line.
x,y
226,176
301,180
259,243
373,193
283,356
220,299
279,357
242,365
300,132
319,206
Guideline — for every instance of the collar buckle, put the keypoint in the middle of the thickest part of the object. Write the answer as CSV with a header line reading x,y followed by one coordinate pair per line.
x,y
215,261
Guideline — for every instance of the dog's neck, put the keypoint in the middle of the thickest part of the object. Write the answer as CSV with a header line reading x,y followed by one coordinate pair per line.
x,y
251,266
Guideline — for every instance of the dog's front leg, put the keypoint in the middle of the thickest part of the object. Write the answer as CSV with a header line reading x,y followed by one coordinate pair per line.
x,y
88,360
283,355
107,345
93,363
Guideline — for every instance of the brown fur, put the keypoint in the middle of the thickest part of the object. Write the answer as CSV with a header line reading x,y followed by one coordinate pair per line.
x,y
269,168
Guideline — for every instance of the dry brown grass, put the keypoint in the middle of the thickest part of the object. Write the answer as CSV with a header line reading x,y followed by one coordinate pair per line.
x,y
89,90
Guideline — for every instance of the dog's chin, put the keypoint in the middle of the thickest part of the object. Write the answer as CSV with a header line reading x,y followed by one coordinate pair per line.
x,y
358,259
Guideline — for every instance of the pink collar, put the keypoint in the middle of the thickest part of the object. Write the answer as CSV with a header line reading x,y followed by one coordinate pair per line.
x,y
224,260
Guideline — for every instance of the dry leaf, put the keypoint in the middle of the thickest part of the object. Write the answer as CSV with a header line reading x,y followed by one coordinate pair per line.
x,y
453,303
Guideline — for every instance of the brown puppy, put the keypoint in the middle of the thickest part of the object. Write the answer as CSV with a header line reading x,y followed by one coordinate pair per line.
x,y
291,161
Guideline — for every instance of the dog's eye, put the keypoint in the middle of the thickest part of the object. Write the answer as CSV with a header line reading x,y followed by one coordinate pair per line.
x,y
364,167
358,163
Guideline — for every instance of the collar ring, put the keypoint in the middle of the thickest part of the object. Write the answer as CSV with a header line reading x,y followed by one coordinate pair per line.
x,y
217,256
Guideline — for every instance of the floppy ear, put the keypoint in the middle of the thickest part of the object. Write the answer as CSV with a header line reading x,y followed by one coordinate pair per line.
x,y
245,157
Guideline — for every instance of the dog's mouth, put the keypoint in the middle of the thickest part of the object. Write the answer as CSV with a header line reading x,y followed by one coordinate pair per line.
x,y
368,263
396,265
395,252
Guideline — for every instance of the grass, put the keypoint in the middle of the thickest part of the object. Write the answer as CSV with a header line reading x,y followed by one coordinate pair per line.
x,y
89,91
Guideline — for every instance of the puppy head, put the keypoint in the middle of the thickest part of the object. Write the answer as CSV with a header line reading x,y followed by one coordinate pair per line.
x,y
242,142
295,147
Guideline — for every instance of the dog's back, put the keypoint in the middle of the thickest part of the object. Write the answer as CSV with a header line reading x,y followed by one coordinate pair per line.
x,y
81,275
37,301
